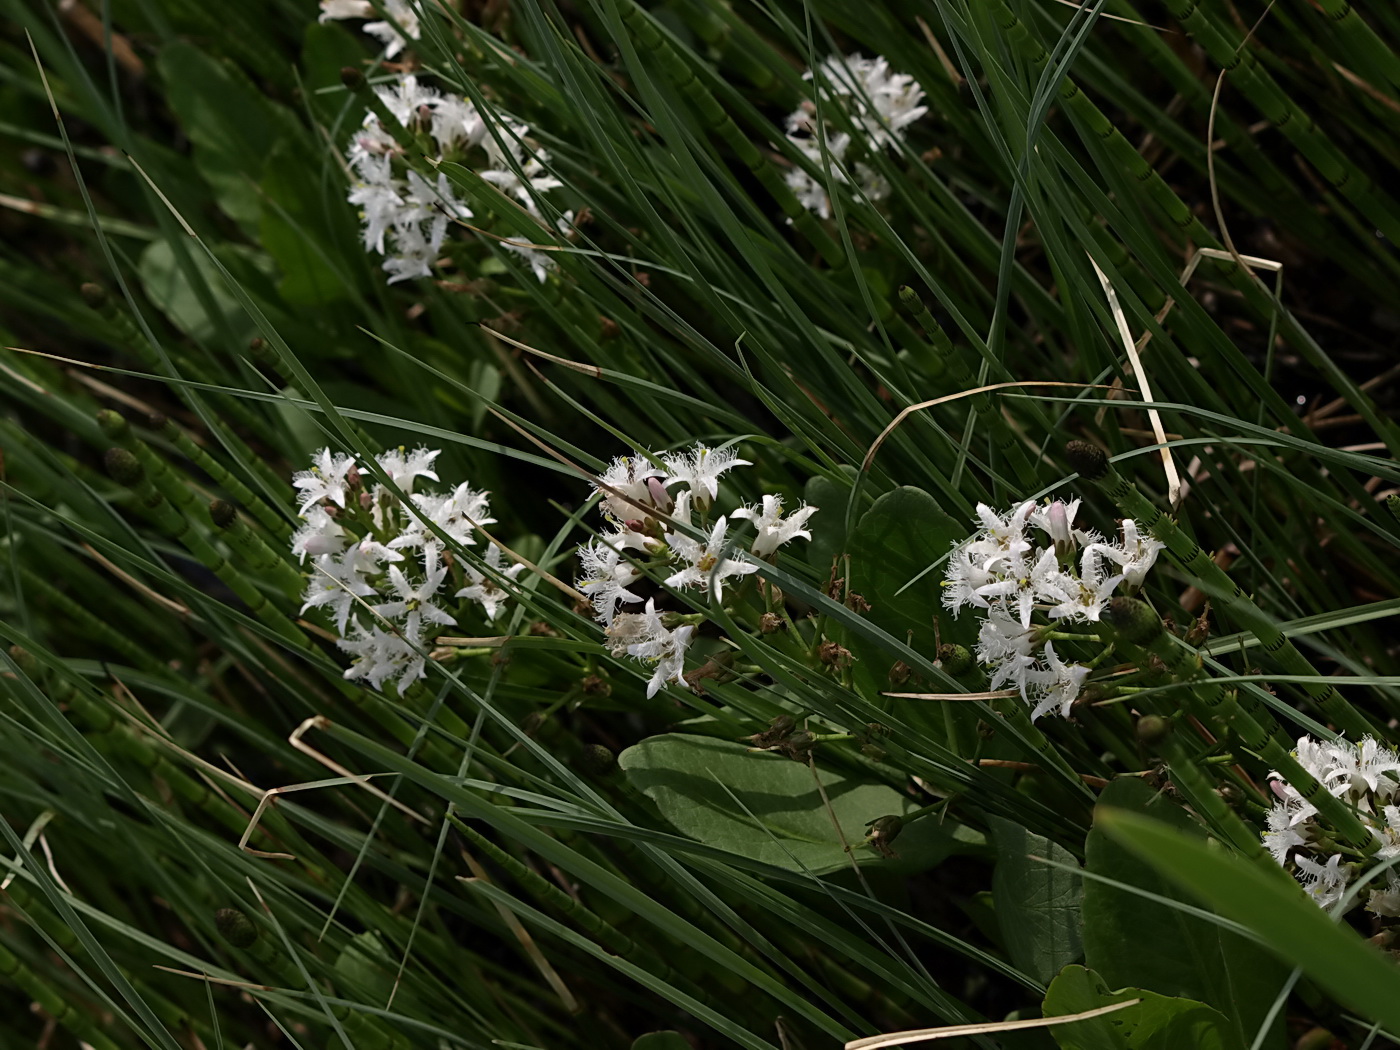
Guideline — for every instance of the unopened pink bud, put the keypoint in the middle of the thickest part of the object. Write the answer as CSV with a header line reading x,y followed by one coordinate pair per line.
x,y
659,496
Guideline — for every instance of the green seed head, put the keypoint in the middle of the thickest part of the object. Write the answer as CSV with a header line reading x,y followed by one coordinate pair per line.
x,y
352,78
94,295
25,659
598,760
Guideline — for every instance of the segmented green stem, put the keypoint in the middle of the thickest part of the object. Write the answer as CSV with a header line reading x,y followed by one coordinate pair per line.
x,y
717,121
1219,705
1239,60
1231,599
55,1002
92,626
1004,439
271,565
268,518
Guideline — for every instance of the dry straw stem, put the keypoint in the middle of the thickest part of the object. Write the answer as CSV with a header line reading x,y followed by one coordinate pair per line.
x,y
919,1035
527,943
906,412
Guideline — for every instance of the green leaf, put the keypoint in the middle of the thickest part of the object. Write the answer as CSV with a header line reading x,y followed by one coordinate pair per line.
x,y
1274,908
1159,1022
309,237
829,532
767,807
232,126
1134,941
1037,906
168,284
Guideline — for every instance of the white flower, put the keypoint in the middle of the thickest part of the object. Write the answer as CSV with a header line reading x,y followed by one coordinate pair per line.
x,y
1023,583
407,100
665,648
380,655
605,577
1009,649
1003,537
337,582
516,175
1281,838
1324,883
1082,598
403,467
1058,685
629,476
414,603
773,529
345,9
327,479
320,535
380,204
1135,555
457,514
401,27
881,103
456,122
812,192
706,563
483,589
700,469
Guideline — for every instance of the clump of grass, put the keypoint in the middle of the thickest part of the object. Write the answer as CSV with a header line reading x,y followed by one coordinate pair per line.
x,y
660,783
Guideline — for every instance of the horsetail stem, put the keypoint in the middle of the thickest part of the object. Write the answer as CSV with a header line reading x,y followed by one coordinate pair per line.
x,y
717,121
1093,465
253,549
1216,703
268,518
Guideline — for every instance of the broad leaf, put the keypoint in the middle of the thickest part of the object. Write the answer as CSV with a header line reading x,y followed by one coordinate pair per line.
x,y
1277,911
667,1040
233,127
1037,906
767,807
1132,941
1158,1022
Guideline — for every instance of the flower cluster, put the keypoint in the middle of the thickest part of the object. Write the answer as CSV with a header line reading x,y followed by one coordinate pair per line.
x,y
879,103
377,569
1364,776
394,32
634,495
405,216
1023,562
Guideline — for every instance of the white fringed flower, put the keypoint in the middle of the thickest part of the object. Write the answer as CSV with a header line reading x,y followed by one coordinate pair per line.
x,y
483,589
329,478
699,469
773,528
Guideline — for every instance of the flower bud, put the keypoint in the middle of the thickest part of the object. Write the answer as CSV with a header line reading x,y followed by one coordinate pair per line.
x,y
123,466
1060,533
883,831
222,513
235,927
113,424
1152,729
1133,619
94,295
352,78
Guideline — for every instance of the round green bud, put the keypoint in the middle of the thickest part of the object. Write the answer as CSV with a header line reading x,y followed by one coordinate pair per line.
x,y
1088,461
123,466
235,927
113,424
1152,729
909,300
1133,619
222,513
